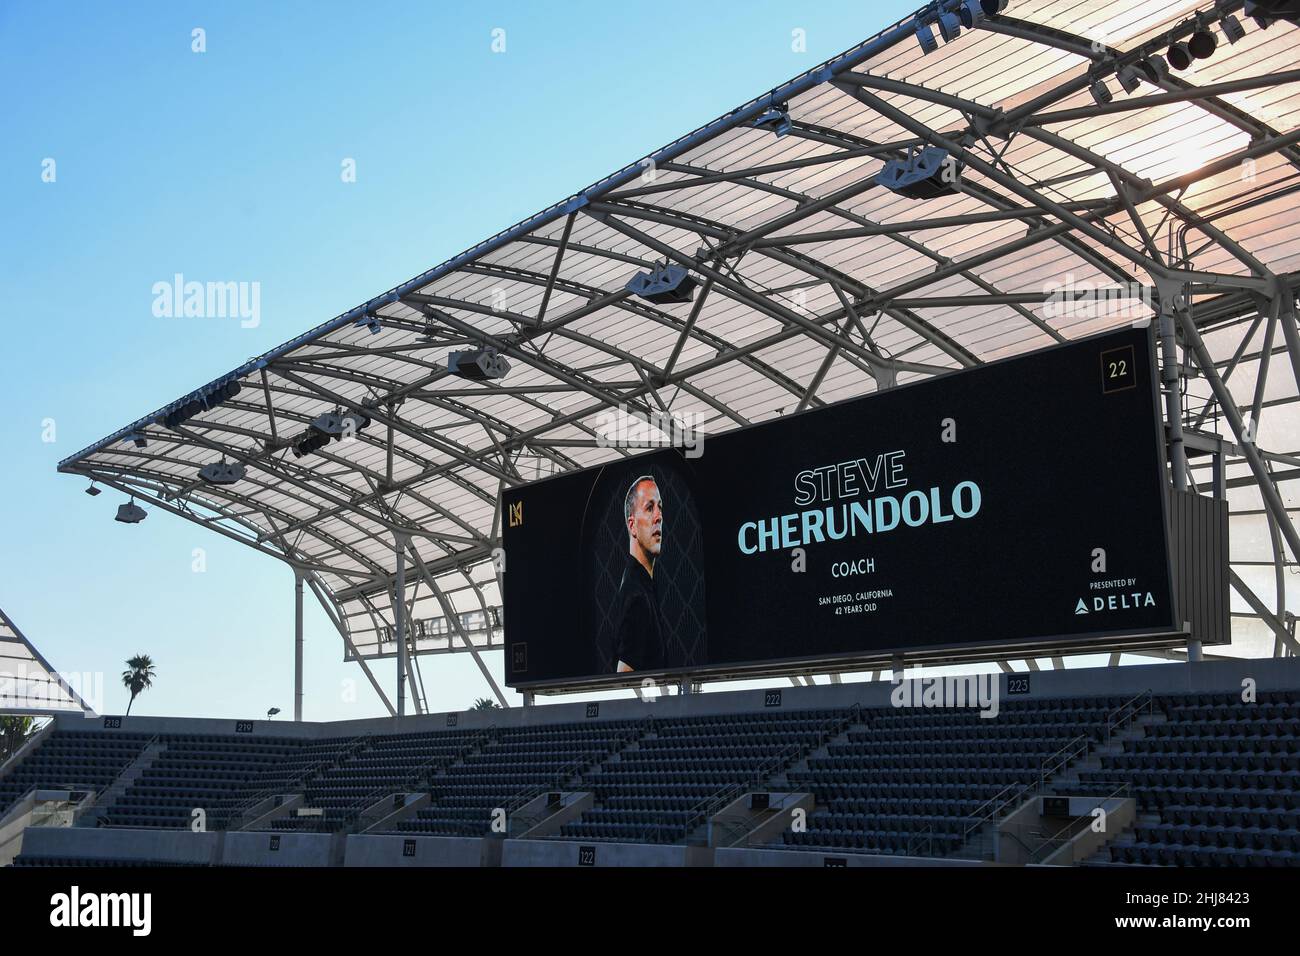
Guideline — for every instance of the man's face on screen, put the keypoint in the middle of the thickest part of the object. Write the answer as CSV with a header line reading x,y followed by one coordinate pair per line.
x,y
646,525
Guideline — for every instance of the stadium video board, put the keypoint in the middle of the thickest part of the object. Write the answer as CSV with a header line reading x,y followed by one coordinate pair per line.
x,y
1016,503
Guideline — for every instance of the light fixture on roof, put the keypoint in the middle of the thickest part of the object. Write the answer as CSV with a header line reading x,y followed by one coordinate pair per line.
x,y
130,513
272,712
370,322
92,490
925,37
1101,92
949,26
665,285
925,174
136,439
775,118
314,442
222,473
1265,12
1154,69
1232,28
1202,43
204,400
1130,78
478,365
336,424
970,13
1179,55
993,7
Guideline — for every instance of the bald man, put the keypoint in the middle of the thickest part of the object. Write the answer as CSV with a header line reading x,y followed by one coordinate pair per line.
x,y
639,637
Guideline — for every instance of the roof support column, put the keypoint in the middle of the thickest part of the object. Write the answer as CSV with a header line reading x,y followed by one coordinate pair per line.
x,y
297,645
399,621
1245,437
1172,301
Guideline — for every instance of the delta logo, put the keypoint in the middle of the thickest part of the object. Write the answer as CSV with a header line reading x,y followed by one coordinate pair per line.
x,y
1115,602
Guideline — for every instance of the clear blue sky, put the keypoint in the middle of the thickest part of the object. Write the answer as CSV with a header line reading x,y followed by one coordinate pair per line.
x,y
225,166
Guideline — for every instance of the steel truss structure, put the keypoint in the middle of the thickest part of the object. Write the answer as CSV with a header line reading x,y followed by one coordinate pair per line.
x,y
1087,198
28,684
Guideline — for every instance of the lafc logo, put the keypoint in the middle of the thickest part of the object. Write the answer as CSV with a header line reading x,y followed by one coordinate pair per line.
x,y
516,514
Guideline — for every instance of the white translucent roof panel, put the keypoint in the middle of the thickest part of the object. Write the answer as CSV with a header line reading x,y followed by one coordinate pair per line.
x,y
28,684
817,284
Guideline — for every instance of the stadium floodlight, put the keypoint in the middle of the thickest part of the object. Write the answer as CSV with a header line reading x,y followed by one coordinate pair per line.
x,y
1232,28
949,27
272,712
925,37
312,443
921,175
993,7
137,439
221,473
776,119
130,513
336,424
1179,55
1265,12
970,13
1154,68
1202,43
666,285
92,490
369,322
1101,92
205,400
478,365
1129,78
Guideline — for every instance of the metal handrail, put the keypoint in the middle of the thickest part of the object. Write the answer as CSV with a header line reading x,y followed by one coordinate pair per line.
x,y
709,805
235,814
96,794
1116,718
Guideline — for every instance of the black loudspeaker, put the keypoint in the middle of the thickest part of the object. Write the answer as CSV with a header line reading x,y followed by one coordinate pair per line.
x,y
760,801
552,799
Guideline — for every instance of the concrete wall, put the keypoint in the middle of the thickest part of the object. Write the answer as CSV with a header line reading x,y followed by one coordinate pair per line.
x,y
253,848
565,853
389,850
170,845
747,857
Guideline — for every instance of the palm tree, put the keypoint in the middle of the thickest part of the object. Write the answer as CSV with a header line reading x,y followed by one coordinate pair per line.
x,y
485,703
14,732
138,676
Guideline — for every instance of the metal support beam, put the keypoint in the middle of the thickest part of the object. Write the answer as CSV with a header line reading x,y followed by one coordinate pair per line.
x,y
399,622
297,646
454,619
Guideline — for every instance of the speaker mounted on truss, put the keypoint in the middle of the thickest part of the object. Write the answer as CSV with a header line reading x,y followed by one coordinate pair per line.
x,y
222,473
478,365
666,285
921,175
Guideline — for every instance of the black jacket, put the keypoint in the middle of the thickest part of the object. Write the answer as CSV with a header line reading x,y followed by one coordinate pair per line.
x,y
639,637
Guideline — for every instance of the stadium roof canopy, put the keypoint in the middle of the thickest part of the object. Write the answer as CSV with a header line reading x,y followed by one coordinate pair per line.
x,y
1084,162
28,684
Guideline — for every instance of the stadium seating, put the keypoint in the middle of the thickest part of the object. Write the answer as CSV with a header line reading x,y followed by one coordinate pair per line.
x,y
907,781
1216,780
1217,783
681,770
515,765
71,760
